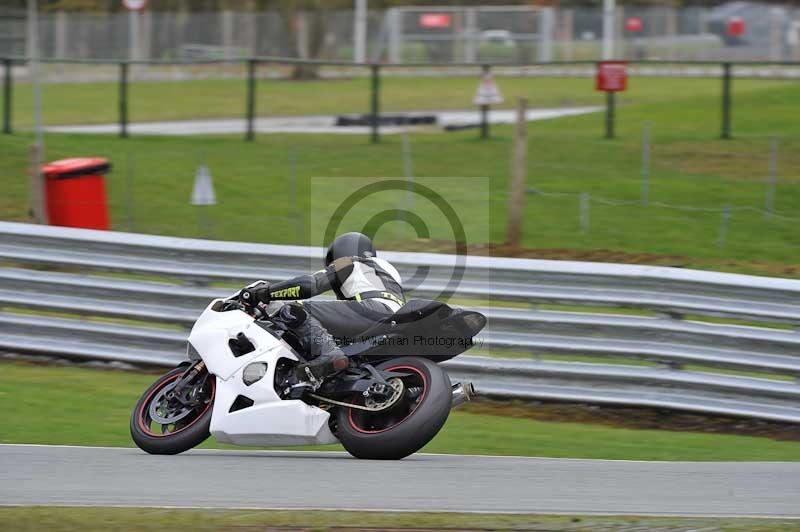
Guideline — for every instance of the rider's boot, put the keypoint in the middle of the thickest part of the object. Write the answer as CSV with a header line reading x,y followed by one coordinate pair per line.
x,y
325,357
323,366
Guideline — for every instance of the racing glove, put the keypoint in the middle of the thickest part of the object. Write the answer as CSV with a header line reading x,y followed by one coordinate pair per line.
x,y
255,293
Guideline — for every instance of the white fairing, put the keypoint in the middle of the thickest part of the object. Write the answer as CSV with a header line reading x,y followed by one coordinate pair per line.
x,y
270,420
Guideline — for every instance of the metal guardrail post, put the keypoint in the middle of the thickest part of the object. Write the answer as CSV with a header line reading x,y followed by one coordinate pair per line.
x,y
726,101
7,94
375,102
251,100
123,100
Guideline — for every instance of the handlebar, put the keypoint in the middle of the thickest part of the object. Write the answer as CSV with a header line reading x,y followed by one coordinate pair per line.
x,y
234,303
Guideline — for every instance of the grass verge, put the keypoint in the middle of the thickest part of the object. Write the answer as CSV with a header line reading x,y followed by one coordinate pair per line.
x,y
84,406
124,519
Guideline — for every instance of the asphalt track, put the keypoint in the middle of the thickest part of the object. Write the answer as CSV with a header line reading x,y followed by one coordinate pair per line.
x,y
314,124
61,475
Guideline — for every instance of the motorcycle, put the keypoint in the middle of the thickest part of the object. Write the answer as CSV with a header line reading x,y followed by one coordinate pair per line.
x,y
239,384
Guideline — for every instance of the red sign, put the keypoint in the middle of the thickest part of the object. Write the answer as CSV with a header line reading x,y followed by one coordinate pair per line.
x,y
735,27
612,76
434,20
633,24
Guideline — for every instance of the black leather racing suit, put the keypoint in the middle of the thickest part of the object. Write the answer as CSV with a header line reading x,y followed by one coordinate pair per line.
x,y
367,290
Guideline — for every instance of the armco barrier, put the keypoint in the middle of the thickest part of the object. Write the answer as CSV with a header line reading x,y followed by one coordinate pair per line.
x,y
107,316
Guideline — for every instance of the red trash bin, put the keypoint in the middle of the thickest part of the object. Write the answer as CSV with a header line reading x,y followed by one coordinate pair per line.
x,y
76,192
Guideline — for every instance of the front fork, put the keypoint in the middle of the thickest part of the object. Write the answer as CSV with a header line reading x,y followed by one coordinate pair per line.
x,y
184,386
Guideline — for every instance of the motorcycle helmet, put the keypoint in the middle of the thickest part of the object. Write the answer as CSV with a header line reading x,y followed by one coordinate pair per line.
x,y
349,245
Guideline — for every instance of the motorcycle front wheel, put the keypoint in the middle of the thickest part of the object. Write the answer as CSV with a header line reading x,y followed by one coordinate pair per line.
x,y
407,425
164,423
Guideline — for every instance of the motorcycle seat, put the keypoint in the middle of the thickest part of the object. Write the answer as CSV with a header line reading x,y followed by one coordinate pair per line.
x,y
418,309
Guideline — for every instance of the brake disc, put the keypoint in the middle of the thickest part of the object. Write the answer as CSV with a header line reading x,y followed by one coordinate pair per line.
x,y
159,408
397,390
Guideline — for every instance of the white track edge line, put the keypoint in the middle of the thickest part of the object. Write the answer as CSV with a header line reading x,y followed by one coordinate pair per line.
x,y
344,453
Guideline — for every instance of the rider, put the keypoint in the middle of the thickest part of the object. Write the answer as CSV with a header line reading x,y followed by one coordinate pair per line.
x,y
367,288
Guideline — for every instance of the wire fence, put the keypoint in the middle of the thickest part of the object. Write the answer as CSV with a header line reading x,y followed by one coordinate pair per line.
x,y
271,193
765,207
430,34
719,235
83,92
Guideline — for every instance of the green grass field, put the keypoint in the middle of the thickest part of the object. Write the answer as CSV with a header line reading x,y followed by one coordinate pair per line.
x,y
91,103
81,406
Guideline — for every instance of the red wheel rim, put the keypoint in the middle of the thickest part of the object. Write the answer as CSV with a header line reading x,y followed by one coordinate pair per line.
x,y
142,413
408,414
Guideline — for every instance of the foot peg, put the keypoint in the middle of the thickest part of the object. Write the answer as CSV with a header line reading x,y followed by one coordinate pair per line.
x,y
312,379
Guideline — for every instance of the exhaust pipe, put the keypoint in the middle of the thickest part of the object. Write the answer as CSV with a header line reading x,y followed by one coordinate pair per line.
x,y
462,392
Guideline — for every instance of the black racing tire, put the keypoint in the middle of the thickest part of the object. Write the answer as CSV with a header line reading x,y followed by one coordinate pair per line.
x,y
410,433
192,434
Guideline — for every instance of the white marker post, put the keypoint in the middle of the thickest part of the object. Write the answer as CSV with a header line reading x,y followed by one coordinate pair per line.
x,y
203,190
487,94
203,196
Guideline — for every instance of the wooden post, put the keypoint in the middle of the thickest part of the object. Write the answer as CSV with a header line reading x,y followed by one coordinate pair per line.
x,y
250,113
585,205
645,168
123,100
484,108
726,101
38,208
772,177
516,191
7,92
375,103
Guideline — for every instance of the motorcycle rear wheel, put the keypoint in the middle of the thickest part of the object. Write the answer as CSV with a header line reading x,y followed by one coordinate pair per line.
x,y
187,427
408,425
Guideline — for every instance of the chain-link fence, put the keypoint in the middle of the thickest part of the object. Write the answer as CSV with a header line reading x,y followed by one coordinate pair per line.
x,y
12,32
520,34
734,31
